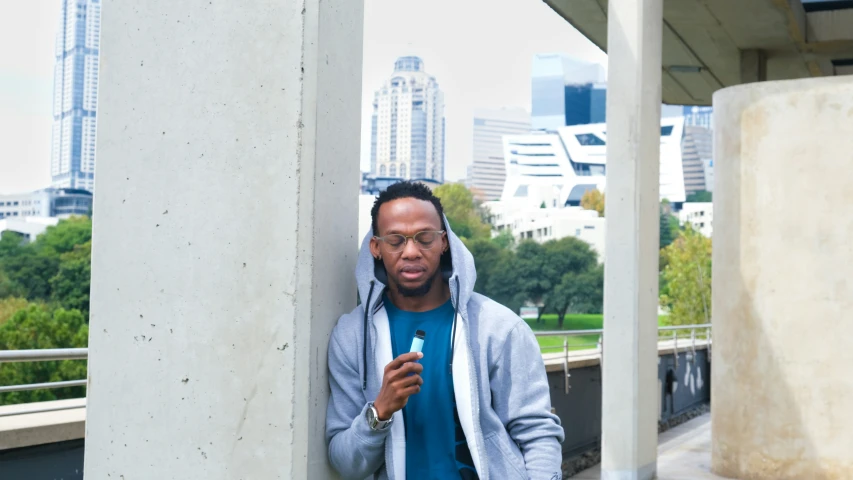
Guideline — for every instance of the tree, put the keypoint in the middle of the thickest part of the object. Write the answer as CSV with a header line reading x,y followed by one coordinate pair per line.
x,y
700,196
504,240
543,205
64,236
70,285
666,236
593,200
10,306
687,277
465,216
27,270
488,255
37,327
579,292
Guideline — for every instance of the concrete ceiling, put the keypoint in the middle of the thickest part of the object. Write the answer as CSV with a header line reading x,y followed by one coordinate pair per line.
x,y
711,44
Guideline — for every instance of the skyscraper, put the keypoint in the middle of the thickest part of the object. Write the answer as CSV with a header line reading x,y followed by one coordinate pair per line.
x,y
75,95
407,127
487,173
566,91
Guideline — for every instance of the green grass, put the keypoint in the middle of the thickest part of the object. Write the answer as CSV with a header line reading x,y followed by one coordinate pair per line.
x,y
572,322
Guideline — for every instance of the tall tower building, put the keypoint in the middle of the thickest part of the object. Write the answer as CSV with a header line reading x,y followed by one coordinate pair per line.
x,y
407,127
75,95
487,173
566,91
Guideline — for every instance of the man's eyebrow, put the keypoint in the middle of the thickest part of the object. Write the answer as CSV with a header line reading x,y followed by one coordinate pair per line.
x,y
428,228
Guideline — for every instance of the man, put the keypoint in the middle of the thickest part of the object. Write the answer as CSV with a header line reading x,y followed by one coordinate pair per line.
x,y
474,404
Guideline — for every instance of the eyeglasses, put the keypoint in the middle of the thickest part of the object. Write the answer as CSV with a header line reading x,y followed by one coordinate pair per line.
x,y
424,240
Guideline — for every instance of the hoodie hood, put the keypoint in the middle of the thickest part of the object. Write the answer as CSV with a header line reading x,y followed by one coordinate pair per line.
x,y
458,269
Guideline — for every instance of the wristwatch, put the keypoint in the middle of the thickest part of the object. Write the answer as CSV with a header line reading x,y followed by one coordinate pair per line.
x,y
373,419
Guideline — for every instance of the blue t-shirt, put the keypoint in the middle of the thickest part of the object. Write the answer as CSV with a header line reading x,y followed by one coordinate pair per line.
x,y
435,443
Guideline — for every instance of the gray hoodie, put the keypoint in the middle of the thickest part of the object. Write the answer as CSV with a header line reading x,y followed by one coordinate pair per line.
x,y
499,382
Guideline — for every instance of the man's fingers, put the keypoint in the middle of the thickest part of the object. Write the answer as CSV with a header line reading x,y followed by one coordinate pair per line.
x,y
402,359
404,371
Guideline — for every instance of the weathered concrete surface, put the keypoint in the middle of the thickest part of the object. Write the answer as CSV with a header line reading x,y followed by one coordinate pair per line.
x,y
224,227
783,298
24,425
629,385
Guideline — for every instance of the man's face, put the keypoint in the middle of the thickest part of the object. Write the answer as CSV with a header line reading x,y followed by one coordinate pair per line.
x,y
413,268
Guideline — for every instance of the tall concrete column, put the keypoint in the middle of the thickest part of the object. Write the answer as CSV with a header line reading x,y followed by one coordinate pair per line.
x,y
630,398
782,294
225,218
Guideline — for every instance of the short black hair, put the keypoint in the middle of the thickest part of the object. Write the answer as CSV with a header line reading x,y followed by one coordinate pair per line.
x,y
405,189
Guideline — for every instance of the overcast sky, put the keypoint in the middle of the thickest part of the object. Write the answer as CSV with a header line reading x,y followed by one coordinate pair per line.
x,y
480,51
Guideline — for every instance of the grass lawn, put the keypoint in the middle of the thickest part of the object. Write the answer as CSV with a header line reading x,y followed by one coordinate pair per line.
x,y
572,322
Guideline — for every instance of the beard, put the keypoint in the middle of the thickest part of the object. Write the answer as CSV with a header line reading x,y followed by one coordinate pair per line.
x,y
418,291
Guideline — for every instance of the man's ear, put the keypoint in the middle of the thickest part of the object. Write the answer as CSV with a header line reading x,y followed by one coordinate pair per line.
x,y
374,248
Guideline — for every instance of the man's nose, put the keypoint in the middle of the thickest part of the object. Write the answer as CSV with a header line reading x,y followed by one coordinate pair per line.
x,y
411,249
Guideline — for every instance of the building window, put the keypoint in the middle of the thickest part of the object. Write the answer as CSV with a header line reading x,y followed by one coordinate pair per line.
x,y
392,170
382,170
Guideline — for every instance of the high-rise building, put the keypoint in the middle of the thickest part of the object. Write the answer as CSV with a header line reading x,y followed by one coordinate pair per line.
x,y
75,95
697,156
487,173
566,91
407,127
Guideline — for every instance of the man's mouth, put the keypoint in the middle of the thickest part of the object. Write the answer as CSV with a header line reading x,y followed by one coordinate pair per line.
x,y
411,273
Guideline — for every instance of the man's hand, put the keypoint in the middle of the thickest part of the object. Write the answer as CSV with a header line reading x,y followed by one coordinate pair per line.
x,y
401,380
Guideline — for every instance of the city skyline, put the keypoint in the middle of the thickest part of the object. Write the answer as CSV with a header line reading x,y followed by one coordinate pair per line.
x,y
488,70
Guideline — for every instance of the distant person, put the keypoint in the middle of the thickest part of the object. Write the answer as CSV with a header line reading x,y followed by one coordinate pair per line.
x,y
475,403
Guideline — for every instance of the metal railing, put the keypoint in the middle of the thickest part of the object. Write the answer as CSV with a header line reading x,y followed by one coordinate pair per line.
x,y
43,355
669,333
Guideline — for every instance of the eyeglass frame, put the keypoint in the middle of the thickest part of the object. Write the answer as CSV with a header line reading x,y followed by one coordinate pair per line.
x,y
406,238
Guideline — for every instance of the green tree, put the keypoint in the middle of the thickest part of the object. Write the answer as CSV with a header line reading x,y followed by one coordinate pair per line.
x,y
579,292
700,196
27,270
666,234
593,200
9,306
487,256
687,278
465,216
38,327
70,285
504,240
64,236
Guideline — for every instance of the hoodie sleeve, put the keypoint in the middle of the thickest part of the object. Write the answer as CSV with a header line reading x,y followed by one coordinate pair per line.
x,y
355,450
522,400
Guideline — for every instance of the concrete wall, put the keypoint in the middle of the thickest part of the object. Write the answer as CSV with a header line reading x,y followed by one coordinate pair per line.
x,y
224,227
783,298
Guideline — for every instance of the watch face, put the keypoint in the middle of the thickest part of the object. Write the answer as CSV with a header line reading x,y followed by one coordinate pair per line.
x,y
371,417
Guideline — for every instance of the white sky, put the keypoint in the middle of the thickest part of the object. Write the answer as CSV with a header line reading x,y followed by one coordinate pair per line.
x,y
480,51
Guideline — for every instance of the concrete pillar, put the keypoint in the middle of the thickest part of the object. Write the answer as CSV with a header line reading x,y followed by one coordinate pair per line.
x,y
782,294
630,398
224,232
753,66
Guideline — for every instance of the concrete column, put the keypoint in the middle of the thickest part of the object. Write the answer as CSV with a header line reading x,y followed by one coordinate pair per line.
x,y
630,397
753,66
782,294
224,232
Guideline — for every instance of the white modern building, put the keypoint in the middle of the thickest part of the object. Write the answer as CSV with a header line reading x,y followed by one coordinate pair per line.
x,y
75,95
700,216
407,127
571,160
487,172
528,221
28,227
49,202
